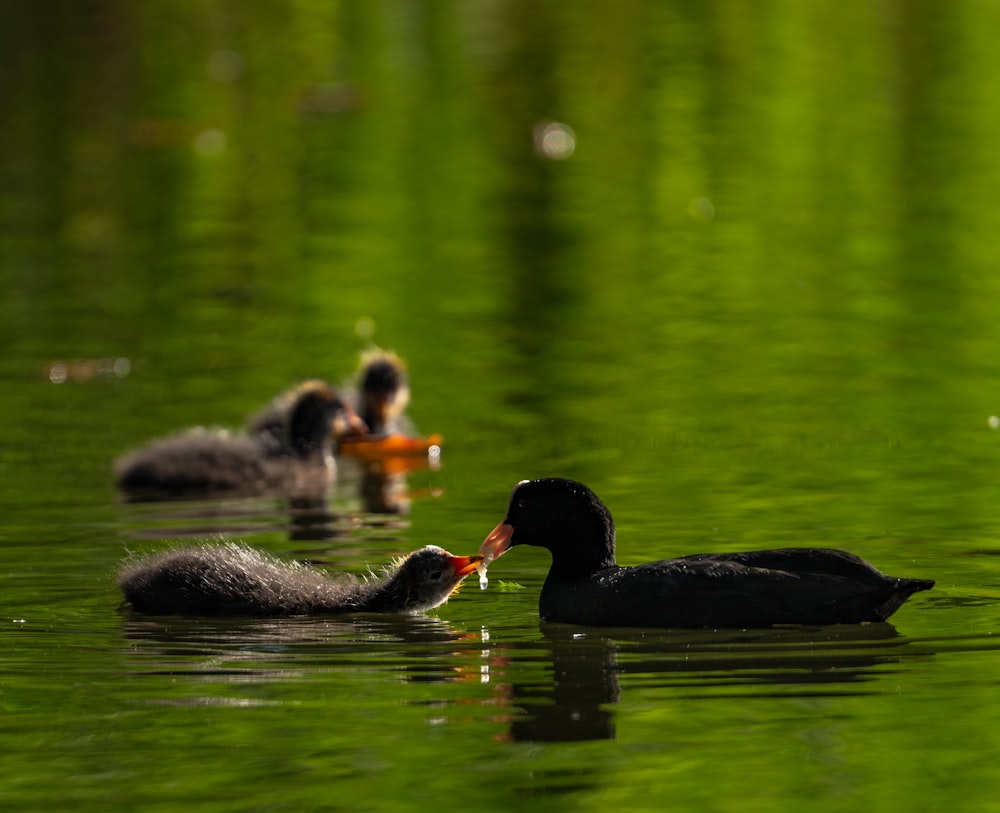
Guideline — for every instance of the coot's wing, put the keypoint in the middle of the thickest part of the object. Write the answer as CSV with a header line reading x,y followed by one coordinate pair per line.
x,y
801,561
718,592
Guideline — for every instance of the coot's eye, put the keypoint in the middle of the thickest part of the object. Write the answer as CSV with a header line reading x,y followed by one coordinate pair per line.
x,y
435,575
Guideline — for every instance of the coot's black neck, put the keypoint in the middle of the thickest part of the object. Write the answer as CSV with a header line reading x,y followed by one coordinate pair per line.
x,y
584,559
567,518
578,550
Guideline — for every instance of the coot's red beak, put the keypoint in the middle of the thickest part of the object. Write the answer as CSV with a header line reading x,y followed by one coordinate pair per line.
x,y
497,543
464,565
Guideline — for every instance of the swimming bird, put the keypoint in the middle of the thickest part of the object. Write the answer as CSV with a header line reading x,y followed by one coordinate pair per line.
x,y
273,425
375,402
384,392
294,459
585,584
233,579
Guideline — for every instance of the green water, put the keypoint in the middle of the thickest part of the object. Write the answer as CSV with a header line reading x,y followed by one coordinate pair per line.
x,y
758,305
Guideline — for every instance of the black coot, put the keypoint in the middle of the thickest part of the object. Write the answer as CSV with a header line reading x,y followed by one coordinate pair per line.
x,y
585,585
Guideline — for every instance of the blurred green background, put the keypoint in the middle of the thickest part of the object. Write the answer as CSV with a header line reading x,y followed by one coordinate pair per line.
x,y
732,264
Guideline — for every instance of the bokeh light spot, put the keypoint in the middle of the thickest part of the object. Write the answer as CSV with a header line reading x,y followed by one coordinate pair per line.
x,y
554,140
702,210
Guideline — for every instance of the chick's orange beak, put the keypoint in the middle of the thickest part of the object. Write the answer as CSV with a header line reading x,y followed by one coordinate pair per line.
x,y
497,543
464,565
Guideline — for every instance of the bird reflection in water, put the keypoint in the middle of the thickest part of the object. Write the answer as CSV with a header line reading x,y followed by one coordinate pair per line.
x,y
589,669
413,648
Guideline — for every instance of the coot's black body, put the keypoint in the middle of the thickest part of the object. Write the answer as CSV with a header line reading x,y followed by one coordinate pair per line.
x,y
585,585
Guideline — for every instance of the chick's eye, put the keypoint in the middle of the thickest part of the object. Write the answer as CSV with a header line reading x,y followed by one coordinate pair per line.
x,y
435,575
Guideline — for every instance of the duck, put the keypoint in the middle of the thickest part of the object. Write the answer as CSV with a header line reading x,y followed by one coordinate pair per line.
x,y
585,584
295,458
233,579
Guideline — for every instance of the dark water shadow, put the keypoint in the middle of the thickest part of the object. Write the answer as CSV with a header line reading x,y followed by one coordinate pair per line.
x,y
416,648
588,667
374,496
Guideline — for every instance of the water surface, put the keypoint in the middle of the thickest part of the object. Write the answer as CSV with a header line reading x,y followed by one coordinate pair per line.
x,y
757,305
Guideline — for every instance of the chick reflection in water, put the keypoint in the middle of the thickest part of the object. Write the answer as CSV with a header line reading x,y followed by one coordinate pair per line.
x,y
232,579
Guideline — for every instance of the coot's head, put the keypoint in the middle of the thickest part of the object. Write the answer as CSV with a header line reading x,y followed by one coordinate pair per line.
x,y
427,577
385,391
562,515
318,414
